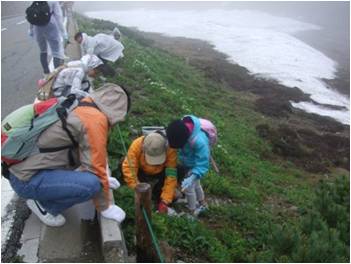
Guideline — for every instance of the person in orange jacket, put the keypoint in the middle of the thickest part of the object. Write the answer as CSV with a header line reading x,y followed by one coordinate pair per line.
x,y
150,160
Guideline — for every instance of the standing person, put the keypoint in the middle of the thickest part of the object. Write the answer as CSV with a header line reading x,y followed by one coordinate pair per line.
x,y
194,156
46,25
106,47
150,160
49,179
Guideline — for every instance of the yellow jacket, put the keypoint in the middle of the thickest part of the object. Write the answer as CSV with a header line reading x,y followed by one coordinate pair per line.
x,y
137,160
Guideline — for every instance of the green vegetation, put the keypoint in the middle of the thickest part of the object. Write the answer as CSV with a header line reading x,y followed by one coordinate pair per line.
x,y
268,211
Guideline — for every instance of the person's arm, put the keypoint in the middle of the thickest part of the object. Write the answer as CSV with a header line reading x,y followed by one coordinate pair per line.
x,y
170,184
57,13
130,164
76,86
89,45
93,149
30,31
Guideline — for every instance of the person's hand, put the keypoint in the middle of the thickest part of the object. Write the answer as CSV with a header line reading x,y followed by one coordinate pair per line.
x,y
162,208
115,213
187,182
65,39
30,33
113,183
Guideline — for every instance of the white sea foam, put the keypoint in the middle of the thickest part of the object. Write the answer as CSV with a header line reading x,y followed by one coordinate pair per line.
x,y
262,43
339,115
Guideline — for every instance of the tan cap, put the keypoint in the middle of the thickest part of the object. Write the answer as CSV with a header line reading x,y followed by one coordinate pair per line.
x,y
155,147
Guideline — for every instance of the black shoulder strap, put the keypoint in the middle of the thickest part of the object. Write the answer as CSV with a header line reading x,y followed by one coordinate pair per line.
x,y
89,104
62,113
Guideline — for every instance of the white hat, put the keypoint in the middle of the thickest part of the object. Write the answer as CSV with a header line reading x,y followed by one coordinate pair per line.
x,y
90,62
155,148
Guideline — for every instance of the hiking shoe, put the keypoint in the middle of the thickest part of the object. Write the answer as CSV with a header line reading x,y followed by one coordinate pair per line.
x,y
171,212
45,216
199,210
181,201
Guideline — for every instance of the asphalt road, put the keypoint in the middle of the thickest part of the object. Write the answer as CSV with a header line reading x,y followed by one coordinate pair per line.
x,y
20,65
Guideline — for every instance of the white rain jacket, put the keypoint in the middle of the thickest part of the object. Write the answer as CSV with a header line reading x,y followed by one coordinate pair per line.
x,y
103,46
70,79
52,32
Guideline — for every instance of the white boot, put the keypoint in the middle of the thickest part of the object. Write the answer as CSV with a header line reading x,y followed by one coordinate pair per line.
x,y
115,213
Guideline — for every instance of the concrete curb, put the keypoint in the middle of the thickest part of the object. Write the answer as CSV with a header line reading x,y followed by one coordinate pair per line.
x,y
113,245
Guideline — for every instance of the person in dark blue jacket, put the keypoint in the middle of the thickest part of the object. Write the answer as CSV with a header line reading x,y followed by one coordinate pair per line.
x,y
194,155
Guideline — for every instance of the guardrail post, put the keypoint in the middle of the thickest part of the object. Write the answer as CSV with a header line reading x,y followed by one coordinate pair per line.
x,y
144,248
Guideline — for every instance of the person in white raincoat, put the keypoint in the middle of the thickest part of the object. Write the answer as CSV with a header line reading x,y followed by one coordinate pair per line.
x,y
106,47
50,34
74,78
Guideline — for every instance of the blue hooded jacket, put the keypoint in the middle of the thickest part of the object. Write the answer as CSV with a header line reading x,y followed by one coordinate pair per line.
x,y
196,152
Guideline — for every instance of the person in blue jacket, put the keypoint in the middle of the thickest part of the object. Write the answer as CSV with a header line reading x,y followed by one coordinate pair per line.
x,y
194,155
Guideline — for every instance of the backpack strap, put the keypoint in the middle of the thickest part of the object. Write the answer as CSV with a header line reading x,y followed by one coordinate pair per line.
x,y
62,114
89,104
5,170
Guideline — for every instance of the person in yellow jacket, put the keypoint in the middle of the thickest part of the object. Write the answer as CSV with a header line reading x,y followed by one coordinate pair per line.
x,y
150,160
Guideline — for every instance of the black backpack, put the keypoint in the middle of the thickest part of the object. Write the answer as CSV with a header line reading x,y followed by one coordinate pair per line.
x,y
38,13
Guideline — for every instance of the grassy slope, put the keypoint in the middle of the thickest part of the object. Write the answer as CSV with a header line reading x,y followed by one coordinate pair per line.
x,y
254,194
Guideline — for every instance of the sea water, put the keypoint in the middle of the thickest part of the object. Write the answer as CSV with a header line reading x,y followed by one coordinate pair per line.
x,y
262,43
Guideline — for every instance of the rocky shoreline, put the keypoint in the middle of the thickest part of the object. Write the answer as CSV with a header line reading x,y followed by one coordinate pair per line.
x,y
315,143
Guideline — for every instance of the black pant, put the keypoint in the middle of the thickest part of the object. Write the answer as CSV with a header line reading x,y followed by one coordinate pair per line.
x,y
107,70
143,177
157,188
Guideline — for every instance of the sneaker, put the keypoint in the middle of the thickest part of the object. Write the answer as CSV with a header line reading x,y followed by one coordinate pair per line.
x,y
171,212
199,210
181,201
45,216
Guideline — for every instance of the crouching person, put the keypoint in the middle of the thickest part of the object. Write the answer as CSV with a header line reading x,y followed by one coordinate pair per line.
x,y
150,160
49,179
71,78
74,78
194,155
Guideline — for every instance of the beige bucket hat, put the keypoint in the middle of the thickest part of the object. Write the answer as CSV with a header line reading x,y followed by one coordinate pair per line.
x,y
155,148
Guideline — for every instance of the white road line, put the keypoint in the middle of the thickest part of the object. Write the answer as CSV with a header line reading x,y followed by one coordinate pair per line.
x,y
3,29
21,22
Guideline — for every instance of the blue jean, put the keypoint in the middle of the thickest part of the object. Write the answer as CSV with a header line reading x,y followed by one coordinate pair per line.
x,y
58,190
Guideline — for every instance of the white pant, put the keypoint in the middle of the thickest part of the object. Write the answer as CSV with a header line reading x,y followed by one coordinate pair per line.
x,y
194,194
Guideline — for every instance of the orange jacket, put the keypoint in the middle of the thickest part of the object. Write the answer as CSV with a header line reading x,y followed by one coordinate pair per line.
x,y
137,160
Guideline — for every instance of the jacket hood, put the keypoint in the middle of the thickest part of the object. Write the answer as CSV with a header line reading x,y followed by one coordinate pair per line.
x,y
112,100
197,126
87,62
85,37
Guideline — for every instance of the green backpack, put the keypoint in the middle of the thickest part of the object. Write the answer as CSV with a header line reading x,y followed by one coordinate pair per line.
x,y
21,129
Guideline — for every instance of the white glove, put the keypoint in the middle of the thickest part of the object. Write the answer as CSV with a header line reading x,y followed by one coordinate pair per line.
x,y
113,183
115,213
187,182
